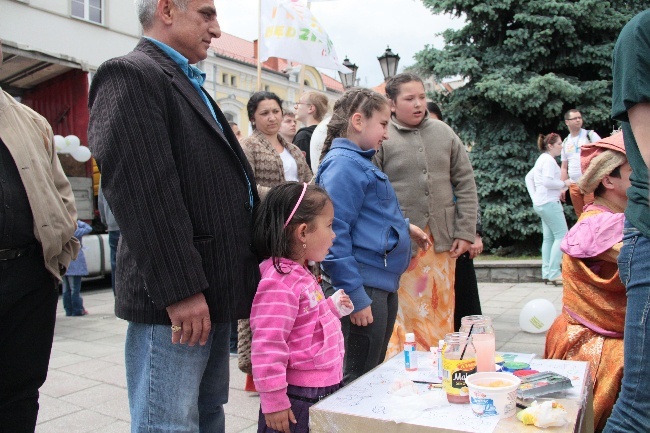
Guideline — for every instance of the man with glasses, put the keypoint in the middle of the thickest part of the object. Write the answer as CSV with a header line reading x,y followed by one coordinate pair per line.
x,y
570,156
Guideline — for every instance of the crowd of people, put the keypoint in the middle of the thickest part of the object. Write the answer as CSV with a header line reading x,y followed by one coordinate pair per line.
x,y
324,270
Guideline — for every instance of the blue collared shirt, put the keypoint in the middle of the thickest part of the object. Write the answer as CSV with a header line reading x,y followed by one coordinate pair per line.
x,y
197,78
194,74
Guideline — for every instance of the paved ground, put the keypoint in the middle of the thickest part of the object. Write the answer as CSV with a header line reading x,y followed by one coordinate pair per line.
x,y
86,386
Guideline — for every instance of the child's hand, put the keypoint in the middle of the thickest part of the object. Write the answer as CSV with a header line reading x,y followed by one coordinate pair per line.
x,y
342,303
419,237
345,300
362,317
280,420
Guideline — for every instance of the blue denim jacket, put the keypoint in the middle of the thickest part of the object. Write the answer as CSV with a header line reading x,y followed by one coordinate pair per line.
x,y
372,245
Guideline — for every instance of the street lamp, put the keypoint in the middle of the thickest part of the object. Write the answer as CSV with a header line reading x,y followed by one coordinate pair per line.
x,y
348,80
388,62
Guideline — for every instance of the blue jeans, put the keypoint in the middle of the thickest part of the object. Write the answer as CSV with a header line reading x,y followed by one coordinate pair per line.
x,y
553,229
72,301
631,412
174,387
113,240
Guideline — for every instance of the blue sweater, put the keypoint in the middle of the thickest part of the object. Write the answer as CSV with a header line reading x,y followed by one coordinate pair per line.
x,y
78,267
372,246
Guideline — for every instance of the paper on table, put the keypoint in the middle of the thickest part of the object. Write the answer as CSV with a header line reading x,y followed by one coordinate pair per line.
x,y
517,357
369,397
576,371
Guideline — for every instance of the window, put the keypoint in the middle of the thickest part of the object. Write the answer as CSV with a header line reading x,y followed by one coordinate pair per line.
x,y
224,78
89,10
233,81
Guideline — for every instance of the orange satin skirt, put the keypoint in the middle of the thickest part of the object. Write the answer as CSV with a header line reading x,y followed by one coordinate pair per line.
x,y
426,301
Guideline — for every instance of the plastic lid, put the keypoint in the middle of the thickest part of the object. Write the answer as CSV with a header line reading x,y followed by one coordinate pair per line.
x,y
410,337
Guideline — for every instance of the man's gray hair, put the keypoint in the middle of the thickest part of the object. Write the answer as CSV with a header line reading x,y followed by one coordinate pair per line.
x,y
146,10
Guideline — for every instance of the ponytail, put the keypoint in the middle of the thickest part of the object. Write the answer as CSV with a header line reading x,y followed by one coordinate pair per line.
x,y
357,100
544,140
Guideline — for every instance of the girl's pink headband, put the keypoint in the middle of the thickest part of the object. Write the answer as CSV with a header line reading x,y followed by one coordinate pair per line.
x,y
304,190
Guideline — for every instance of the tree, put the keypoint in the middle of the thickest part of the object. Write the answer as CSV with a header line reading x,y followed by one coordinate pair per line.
x,y
526,62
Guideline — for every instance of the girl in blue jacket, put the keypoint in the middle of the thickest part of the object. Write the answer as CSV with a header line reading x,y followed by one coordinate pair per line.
x,y
372,247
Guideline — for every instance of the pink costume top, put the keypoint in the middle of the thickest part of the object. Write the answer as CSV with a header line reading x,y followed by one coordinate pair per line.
x,y
297,336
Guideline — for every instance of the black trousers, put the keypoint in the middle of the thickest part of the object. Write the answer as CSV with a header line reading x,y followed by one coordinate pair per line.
x,y
468,302
365,346
28,299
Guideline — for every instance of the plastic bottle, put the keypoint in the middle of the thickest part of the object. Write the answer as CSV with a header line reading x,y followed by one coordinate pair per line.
x,y
483,339
410,355
459,361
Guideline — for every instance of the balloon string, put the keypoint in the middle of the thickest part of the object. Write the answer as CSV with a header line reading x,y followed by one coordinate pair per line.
x,y
469,339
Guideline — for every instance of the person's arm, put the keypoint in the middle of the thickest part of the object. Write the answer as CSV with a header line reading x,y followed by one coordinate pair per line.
x,y
129,103
462,178
82,229
72,246
247,146
549,173
341,178
564,170
639,116
530,182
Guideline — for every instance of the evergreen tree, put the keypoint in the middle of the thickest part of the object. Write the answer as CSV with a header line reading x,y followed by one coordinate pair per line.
x,y
525,62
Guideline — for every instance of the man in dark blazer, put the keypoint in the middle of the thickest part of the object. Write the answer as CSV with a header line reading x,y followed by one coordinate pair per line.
x,y
182,192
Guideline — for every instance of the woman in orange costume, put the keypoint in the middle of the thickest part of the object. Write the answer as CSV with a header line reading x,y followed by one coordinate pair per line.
x,y
590,327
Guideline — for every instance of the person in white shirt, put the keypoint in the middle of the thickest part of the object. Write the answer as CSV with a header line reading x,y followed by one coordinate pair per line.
x,y
570,157
545,186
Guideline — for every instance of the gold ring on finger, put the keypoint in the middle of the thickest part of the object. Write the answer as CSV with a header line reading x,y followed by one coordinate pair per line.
x,y
176,328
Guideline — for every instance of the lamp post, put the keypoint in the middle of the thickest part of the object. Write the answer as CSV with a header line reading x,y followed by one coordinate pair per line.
x,y
388,62
348,80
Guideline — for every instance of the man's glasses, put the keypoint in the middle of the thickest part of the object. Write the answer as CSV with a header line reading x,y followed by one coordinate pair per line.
x,y
575,118
303,103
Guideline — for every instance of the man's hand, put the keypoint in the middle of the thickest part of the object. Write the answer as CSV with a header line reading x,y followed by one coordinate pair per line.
x,y
420,237
362,317
476,248
193,316
458,248
280,420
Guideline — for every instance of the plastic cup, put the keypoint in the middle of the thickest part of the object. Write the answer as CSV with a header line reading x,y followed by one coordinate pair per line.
x,y
493,394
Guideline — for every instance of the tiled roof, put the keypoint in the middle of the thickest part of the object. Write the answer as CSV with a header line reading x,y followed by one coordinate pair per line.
x,y
380,88
332,83
240,49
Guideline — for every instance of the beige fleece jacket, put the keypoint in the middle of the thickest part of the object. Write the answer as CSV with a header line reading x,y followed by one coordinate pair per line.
x,y
29,139
428,166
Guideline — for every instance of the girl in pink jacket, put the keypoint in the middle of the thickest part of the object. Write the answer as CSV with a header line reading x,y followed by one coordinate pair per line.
x,y
297,349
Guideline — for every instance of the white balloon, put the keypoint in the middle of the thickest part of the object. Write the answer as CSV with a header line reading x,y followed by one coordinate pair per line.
x,y
81,154
72,142
59,144
537,316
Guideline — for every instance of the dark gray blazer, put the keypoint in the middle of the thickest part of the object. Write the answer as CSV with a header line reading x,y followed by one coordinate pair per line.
x,y
176,184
